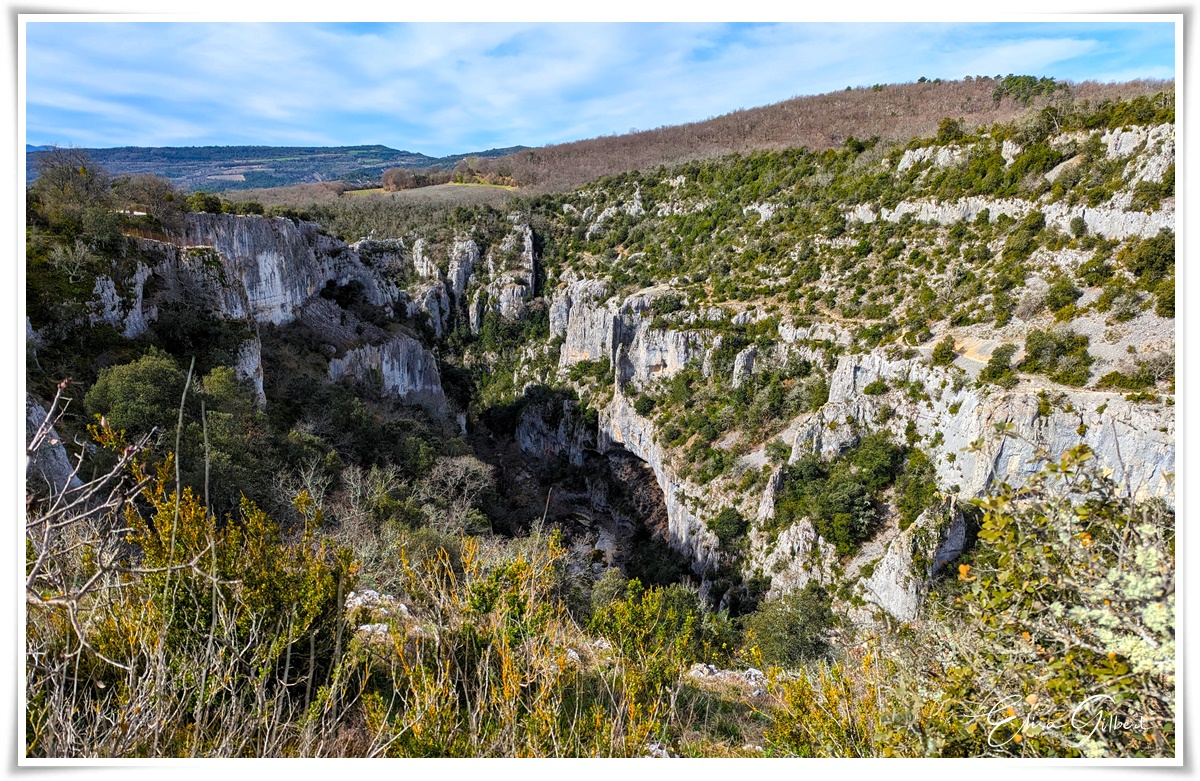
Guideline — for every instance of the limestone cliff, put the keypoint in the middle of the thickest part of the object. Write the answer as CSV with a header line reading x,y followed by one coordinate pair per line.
x,y
622,427
279,263
511,271
976,436
262,271
404,369
48,465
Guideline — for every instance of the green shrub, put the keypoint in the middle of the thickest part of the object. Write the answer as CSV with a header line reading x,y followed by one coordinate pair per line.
x,y
876,387
663,629
1095,271
1151,259
840,497
203,202
1164,301
817,389
583,370
1023,89
1023,240
729,526
1062,356
949,131
1148,195
999,369
609,588
792,629
916,489
1119,298
1062,294
644,405
944,353
777,451
140,396
877,460
1131,382
1071,594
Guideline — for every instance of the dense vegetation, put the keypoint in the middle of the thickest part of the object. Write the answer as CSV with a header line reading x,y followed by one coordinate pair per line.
x,y
894,113
196,599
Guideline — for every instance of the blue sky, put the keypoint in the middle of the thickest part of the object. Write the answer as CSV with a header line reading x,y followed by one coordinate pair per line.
x,y
451,88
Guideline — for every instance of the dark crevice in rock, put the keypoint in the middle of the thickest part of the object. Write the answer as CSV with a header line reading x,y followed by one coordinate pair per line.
x,y
609,506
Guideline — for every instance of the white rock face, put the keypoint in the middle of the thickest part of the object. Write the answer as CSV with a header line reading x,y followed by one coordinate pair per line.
x,y
568,437
248,366
743,365
798,556
464,256
862,212
384,255
621,426
592,329
765,211
512,269
423,262
1009,151
817,332
280,264
124,315
1136,441
432,300
1150,152
655,354
1158,155
407,370
942,157
896,583
50,467
1109,222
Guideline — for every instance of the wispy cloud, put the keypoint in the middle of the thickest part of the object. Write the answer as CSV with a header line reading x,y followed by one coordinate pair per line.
x,y
446,88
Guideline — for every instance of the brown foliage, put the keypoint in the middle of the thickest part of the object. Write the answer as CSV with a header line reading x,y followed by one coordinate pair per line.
x,y
412,178
895,113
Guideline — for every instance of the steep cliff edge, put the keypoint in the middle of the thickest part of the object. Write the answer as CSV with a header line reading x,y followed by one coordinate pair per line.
x,y
279,263
725,322
977,436
273,271
403,368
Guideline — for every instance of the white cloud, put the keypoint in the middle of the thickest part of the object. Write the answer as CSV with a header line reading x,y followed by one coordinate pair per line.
x,y
442,89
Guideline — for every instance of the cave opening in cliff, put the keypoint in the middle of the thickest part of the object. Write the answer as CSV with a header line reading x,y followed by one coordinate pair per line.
x,y
608,505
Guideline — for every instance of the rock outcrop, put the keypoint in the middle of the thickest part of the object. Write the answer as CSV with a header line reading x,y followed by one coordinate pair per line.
x,y
124,314
48,464
621,427
404,368
248,366
976,438
278,263
1110,222
987,436
552,429
511,273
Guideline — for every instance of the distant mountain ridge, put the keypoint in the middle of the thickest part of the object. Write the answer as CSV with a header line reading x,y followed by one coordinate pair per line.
x,y
219,168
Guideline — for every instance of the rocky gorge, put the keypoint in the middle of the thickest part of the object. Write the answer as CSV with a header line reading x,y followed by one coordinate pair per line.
x,y
588,390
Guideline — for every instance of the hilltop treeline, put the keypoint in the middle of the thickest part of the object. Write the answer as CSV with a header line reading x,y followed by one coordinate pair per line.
x,y
892,112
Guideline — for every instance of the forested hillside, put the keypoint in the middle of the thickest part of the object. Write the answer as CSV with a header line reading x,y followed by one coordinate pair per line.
x,y
892,113
830,449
